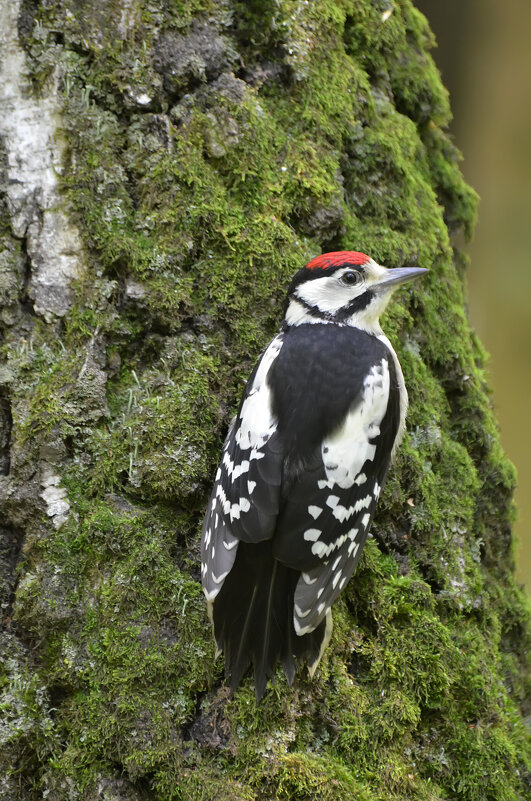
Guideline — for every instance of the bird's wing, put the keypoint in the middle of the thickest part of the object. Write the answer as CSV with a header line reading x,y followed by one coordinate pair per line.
x,y
245,498
325,518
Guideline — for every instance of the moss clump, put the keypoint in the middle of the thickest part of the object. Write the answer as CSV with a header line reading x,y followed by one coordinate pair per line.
x,y
111,643
212,148
170,414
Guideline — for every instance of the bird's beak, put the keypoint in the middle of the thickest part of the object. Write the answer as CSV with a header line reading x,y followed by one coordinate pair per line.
x,y
398,275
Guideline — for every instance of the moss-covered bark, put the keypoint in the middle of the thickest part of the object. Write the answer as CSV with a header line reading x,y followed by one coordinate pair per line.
x,y
210,149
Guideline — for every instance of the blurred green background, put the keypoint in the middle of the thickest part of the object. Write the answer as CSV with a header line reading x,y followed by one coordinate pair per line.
x,y
484,54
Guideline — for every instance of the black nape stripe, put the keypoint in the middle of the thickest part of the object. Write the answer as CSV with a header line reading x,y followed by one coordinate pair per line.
x,y
355,305
314,311
342,314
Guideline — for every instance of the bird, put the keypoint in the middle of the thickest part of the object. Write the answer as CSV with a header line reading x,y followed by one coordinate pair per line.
x,y
302,467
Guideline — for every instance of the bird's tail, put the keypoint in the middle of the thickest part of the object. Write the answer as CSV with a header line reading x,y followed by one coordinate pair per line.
x,y
253,618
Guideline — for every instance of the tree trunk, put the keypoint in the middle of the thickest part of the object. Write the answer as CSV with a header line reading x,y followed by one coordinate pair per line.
x,y
166,167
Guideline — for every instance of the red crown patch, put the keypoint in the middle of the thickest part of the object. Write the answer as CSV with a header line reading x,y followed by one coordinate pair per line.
x,y
336,258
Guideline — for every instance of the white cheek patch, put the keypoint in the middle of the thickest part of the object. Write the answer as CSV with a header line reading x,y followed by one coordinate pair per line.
x,y
345,452
298,314
327,293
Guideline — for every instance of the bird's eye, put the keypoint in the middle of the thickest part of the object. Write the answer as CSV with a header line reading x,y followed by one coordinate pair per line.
x,y
351,278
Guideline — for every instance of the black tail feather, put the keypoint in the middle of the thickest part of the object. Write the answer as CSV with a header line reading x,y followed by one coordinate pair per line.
x,y
253,618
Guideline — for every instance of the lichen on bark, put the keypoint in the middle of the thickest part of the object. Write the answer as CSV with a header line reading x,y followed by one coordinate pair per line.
x,y
210,149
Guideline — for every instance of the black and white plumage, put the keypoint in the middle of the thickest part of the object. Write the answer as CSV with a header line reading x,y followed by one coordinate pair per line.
x,y
303,466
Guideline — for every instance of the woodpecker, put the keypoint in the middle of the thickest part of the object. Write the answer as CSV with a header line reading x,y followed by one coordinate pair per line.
x,y
303,465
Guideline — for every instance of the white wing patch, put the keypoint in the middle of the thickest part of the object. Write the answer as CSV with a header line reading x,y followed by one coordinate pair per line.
x,y
218,548
317,589
251,430
257,420
343,513
347,449
344,454
403,394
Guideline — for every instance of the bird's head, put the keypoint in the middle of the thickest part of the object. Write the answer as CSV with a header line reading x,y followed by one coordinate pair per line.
x,y
344,287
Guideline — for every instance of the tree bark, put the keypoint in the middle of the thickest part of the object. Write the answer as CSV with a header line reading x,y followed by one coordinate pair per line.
x,y
165,168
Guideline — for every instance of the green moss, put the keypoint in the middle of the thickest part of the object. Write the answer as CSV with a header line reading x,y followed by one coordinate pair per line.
x,y
196,206
143,655
304,776
164,419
